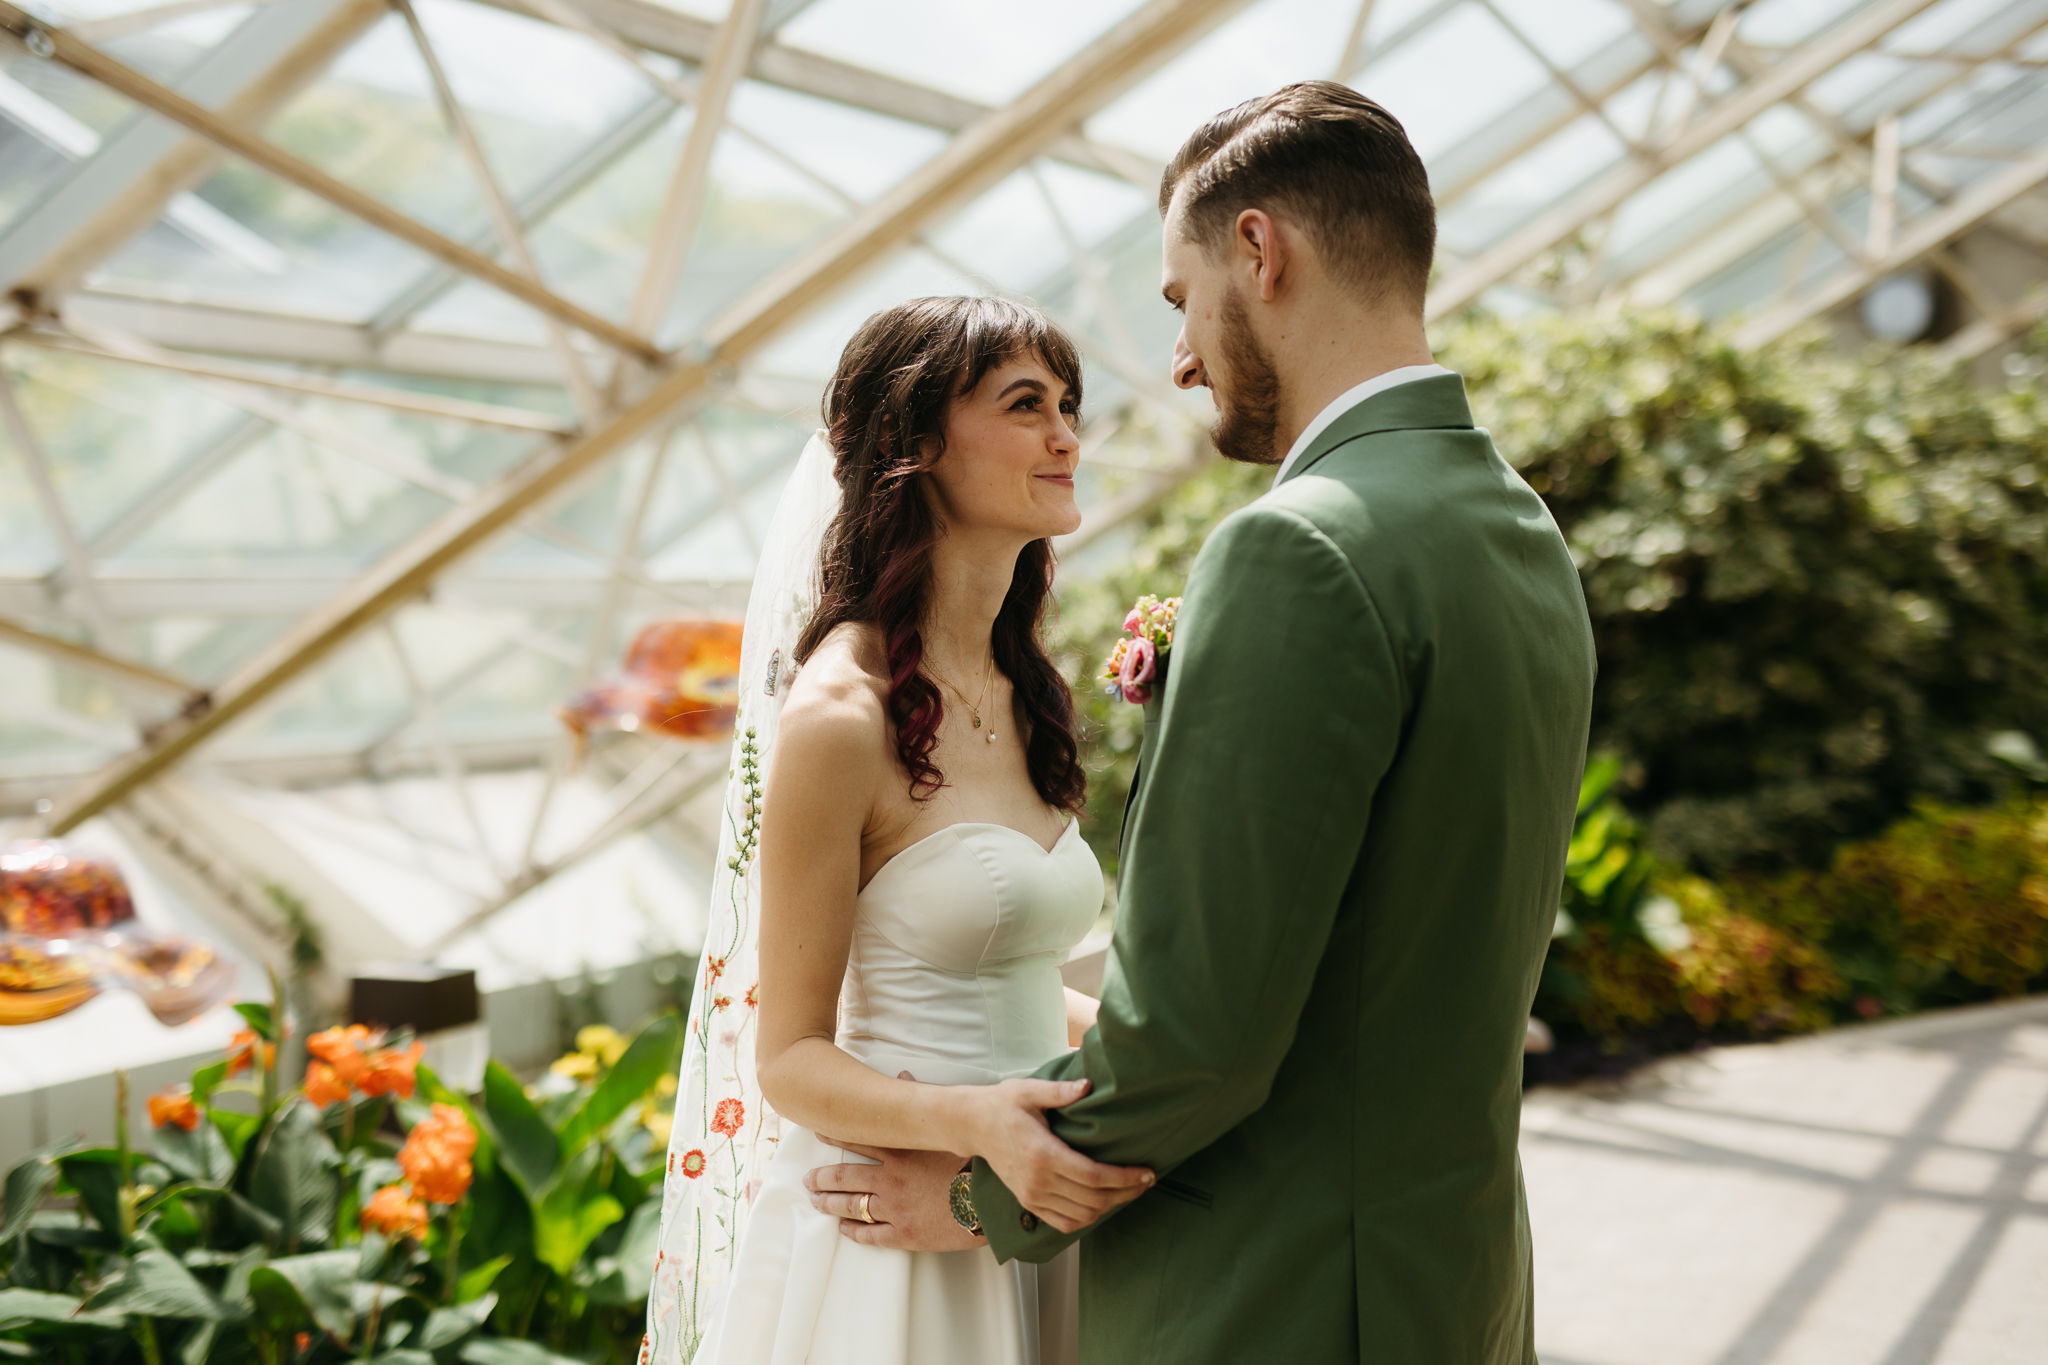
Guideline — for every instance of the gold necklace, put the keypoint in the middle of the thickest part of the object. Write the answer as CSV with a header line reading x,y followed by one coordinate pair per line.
x,y
987,678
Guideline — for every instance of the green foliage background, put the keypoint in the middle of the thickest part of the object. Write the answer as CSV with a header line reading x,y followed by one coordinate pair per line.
x,y
1818,583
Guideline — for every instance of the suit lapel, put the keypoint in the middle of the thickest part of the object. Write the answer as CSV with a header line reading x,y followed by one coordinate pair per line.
x,y
1421,404
1138,775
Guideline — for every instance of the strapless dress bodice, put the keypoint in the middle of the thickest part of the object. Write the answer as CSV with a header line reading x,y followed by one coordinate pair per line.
x,y
953,974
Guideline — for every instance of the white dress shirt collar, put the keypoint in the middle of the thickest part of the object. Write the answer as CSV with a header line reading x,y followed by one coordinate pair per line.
x,y
1349,399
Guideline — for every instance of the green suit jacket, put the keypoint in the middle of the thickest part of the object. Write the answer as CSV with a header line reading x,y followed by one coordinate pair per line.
x,y
1340,872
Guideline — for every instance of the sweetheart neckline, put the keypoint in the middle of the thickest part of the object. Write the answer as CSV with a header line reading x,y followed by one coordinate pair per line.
x,y
1073,823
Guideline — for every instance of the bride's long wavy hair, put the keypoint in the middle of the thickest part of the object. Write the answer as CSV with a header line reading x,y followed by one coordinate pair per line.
x,y
885,414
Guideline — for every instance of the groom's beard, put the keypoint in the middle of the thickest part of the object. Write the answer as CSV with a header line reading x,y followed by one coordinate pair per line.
x,y
1248,420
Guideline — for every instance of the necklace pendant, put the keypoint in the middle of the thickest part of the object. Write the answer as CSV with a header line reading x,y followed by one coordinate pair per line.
x,y
990,737
977,720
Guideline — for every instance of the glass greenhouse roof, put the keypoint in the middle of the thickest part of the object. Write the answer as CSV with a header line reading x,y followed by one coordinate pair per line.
x,y
243,419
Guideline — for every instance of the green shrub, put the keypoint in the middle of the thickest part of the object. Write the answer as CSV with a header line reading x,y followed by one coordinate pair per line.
x,y
1818,583
1949,905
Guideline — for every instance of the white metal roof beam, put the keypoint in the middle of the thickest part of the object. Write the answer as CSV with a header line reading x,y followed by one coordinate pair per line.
x,y
146,163
1547,229
304,340
268,156
1930,233
536,203
676,222
511,232
656,28
92,660
973,162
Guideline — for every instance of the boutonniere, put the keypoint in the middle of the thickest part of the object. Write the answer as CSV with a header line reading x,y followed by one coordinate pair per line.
x,y
1138,663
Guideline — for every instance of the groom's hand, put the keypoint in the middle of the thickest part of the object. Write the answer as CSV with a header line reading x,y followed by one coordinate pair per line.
x,y
906,1194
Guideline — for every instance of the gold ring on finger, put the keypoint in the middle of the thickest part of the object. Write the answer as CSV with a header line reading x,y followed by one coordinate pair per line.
x,y
867,1215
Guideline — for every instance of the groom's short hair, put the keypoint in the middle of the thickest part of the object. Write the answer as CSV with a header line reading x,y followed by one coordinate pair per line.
x,y
1328,160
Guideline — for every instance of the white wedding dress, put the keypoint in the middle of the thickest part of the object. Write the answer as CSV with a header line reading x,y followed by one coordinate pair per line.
x,y
954,977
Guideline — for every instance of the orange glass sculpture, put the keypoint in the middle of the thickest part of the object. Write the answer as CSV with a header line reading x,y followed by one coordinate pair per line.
x,y
70,930
681,680
48,891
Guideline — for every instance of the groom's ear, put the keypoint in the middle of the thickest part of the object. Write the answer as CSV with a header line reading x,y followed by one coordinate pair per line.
x,y
1259,252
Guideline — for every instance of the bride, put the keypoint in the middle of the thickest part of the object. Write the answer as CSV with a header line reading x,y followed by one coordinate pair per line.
x,y
903,873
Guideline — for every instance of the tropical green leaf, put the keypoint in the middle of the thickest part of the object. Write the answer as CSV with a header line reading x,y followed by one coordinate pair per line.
x,y
1601,771
206,1079
404,1357
477,1279
376,1296
625,1276
197,1346
235,1129
200,1155
505,1351
73,1236
529,1147
292,1180
234,1290
18,1306
651,1056
95,1174
571,1215
561,1234
446,1326
253,1222
26,1186
260,1019
319,1287
500,1217
156,1284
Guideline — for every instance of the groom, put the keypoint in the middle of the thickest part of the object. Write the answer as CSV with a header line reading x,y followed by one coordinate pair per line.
x,y
1343,850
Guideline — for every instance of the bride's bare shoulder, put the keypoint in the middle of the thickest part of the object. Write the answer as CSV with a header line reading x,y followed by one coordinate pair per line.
x,y
838,707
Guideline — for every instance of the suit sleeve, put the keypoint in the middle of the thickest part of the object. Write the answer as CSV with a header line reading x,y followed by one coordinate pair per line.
x,y
1282,710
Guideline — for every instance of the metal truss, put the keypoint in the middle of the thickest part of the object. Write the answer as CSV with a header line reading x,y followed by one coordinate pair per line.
x,y
1677,85
989,148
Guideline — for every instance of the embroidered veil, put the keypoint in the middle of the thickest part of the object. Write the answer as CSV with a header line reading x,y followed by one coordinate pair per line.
x,y
724,1131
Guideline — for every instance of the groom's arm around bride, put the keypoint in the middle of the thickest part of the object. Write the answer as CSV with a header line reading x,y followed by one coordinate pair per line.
x,y
1346,836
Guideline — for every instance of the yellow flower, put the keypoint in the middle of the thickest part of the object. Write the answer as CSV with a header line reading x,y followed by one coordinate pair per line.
x,y
666,1086
601,1041
659,1122
575,1065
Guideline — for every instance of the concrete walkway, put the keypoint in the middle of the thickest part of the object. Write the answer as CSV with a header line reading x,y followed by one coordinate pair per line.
x,y
1874,1196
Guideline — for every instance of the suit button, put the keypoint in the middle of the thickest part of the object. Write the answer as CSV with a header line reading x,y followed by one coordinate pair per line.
x,y
1028,1221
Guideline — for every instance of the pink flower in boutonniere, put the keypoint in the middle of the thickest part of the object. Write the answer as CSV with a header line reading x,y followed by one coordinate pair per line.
x,y
1140,663
1136,666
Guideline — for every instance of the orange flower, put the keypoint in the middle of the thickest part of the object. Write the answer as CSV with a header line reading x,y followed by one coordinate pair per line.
x,y
691,1163
391,1071
729,1117
342,1049
436,1154
174,1106
322,1086
242,1052
395,1213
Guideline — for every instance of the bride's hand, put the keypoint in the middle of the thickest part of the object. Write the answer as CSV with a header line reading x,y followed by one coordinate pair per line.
x,y
1049,1178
